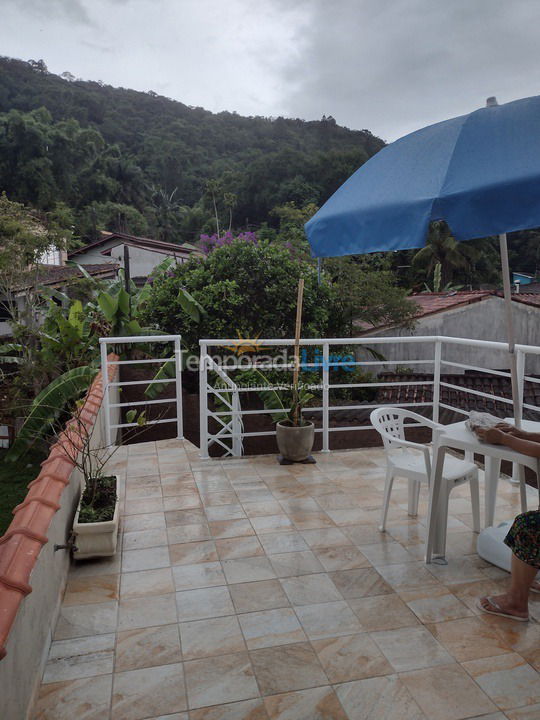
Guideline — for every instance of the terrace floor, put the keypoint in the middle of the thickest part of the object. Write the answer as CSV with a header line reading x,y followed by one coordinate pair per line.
x,y
249,591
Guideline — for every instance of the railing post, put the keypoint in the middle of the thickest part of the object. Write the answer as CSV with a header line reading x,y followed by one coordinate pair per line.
x,y
203,403
105,381
325,398
437,380
236,439
520,366
178,372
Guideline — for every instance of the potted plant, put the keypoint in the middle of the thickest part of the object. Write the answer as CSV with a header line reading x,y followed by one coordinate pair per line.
x,y
294,435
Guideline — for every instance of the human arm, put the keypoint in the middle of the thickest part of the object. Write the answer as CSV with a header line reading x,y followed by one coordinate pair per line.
x,y
527,446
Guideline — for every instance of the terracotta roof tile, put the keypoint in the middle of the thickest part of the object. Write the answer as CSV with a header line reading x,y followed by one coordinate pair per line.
x,y
27,533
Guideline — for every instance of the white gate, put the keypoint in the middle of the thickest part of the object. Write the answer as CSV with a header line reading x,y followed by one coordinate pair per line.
x,y
109,407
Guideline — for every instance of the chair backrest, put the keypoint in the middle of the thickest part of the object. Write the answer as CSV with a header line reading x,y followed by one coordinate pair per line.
x,y
389,423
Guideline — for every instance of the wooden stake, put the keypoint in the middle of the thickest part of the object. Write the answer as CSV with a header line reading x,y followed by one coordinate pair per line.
x,y
297,330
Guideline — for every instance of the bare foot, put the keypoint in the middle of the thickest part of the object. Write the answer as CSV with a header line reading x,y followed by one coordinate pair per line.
x,y
503,604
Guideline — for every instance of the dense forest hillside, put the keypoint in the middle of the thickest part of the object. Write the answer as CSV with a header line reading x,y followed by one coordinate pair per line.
x,y
144,163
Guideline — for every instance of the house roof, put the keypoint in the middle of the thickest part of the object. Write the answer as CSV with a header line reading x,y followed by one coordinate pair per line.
x,y
431,303
135,241
55,275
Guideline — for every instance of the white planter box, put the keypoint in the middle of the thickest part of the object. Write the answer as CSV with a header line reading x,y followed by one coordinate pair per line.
x,y
96,539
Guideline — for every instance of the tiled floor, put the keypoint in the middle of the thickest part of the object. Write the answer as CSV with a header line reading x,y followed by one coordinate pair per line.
x,y
243,590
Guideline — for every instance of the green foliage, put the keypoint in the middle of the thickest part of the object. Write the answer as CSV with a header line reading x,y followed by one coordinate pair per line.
x,y
48,405
128,160
246,288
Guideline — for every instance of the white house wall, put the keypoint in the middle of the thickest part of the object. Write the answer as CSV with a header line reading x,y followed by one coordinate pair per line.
x,y
483,320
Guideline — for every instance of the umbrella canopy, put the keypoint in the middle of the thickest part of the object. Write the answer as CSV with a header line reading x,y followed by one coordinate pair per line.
x,y
478,172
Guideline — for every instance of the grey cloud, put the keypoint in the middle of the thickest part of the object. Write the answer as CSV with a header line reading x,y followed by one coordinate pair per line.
x,y
71,10
394,66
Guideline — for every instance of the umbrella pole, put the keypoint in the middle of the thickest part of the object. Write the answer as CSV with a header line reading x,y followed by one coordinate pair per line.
x,y
510,329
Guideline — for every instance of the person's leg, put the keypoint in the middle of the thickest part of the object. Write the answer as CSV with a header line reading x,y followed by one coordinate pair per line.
x,y
516,600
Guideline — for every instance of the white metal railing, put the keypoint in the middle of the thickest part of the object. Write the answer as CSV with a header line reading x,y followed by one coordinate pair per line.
x,y
110,408
435,354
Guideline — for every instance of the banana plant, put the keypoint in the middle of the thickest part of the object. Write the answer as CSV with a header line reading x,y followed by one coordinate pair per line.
x,y
47,407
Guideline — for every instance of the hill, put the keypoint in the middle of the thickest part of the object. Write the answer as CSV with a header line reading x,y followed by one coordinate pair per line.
x,y
145,163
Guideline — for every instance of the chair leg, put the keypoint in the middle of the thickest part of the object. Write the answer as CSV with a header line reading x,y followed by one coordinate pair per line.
x,y
443,517
386,500
475,502
414,495
522,488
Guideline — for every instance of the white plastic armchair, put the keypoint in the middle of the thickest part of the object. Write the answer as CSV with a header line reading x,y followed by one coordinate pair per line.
x,y
412,460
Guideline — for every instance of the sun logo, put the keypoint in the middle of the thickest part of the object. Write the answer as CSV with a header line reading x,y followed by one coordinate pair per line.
x,y
245,345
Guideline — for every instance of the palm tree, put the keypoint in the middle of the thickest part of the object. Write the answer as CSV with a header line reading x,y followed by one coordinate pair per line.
x,y
442,249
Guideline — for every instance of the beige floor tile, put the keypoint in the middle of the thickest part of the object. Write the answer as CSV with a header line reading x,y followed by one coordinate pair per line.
x,y
244,710
310,520
193,552
532,712
447,693
176,518
216,636
411,648
310,589
146,647
204,603
98,566
86,699
276,543
458,570
287,667
272,523
361,535
143,506
341,558
387,553
225,512
255,596
145,559
295,563
145,611
469,639
85,620
231,548
352,657
435,604
328,620
219,498
93,589
80,658
231,528
259,509
379,698
188,533
348,515
363,582
149,692
144,539
325,537
218,680
148,521
268,628
508,680
314,704
407,576
248,569
146,582
199,575
383,612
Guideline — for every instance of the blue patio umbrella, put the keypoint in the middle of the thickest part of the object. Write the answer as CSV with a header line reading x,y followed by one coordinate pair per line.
x,y
478,172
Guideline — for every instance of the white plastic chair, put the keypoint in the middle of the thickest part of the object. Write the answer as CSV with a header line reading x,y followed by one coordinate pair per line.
x,y
412,460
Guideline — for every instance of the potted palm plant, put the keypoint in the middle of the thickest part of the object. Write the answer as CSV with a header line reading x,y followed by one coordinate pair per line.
x,y
295,435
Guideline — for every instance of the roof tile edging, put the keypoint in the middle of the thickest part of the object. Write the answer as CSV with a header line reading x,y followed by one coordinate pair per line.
x,y
21,544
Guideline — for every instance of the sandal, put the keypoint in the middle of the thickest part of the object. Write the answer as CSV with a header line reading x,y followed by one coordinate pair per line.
x,y
499,611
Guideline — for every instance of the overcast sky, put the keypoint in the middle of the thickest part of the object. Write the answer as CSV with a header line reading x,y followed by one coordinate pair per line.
x,y
391,66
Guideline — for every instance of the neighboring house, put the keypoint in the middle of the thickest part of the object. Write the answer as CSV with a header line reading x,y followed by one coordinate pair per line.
x,y
477,314
58,277
144,253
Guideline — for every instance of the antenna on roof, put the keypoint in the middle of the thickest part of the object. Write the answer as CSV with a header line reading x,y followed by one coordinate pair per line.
x,y
491,101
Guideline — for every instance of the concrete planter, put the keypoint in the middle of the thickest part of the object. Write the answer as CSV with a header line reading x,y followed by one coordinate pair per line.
x,y
295,443
96,539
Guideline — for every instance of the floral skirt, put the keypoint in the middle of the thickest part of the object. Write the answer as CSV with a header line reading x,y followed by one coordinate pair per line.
x,y
524,538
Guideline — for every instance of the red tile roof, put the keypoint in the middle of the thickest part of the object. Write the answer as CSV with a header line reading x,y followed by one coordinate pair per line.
x,y
27,533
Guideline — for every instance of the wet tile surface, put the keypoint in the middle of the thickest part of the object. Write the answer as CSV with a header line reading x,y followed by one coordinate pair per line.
x,y
245,591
